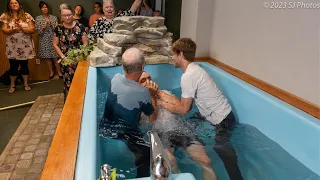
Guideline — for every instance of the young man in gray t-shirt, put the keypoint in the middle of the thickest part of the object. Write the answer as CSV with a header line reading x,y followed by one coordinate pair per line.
x,y
197,85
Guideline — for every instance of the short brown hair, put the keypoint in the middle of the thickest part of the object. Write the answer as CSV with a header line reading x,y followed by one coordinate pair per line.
x,y
187,47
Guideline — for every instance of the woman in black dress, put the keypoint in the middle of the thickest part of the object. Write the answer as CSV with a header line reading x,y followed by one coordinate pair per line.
x,y
69,34
78,16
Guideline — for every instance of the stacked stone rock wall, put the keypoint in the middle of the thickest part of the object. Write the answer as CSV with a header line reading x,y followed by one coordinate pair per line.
x,y
149,34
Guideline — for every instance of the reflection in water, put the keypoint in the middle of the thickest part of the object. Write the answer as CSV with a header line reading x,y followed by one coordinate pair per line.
x,y
259,157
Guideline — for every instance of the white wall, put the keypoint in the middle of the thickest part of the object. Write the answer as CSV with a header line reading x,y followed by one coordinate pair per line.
x,y
197,24
278,46
189,15
204,27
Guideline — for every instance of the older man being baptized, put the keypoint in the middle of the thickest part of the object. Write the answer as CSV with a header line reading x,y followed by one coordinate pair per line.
x,y
174,133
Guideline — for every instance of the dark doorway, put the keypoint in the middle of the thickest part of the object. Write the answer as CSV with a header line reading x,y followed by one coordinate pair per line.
x,y
173,17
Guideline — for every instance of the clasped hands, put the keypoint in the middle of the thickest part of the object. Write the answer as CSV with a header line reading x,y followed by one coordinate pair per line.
x,y
48,24
18,28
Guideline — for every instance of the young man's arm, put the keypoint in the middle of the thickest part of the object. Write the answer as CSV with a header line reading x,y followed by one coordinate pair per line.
x,y
173,104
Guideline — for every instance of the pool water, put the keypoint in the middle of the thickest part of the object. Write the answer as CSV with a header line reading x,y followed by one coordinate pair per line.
x,y
259,157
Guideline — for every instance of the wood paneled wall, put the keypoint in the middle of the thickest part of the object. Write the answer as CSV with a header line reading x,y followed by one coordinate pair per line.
x,y
37,71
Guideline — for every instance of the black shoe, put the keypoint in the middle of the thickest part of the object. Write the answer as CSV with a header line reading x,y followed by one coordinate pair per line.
x,y
51,77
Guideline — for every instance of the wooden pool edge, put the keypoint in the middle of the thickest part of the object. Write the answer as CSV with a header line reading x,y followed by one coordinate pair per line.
x,y
61,160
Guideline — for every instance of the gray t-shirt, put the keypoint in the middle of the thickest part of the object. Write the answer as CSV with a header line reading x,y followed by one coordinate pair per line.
x,y
197,84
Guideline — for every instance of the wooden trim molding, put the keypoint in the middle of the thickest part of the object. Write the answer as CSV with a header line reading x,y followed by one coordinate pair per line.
x,y
287,97
61,160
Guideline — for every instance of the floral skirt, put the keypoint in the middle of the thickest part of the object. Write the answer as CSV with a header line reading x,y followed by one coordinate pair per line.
x,y
68,73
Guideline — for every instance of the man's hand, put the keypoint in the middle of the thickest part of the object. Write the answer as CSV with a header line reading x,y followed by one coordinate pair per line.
x,y
152,86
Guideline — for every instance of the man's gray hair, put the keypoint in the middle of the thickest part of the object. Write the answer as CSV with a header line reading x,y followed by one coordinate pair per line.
x,y
109,1
133,60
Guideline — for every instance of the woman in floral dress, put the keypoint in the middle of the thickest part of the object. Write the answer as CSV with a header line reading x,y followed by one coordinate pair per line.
x,y
18,26
45,25
68,35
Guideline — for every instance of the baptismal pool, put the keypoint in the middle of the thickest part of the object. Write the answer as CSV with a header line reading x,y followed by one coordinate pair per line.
x,y
272,141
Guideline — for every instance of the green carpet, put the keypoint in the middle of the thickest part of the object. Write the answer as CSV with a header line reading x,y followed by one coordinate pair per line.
x,y
9,122
22,96
10,119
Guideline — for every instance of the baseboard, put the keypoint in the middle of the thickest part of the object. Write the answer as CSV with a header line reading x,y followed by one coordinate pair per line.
x,y
289,98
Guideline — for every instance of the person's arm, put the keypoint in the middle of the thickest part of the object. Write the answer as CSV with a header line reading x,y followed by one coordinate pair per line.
x,y
149,10
8,31
167,98
136,4
84,37
28,30
91,21
188,88
55,42
56,46
153,88
180,107
154,115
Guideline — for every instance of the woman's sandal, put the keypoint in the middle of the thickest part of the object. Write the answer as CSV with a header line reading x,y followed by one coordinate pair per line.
x,y
12,90
27,88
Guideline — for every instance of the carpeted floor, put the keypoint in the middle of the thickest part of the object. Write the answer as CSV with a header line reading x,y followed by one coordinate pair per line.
x,y
10,119
22,96
9,122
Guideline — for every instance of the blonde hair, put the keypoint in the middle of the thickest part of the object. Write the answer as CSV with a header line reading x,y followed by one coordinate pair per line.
x,y
65,6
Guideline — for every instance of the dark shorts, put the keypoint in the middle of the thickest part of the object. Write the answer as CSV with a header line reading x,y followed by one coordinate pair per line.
x,y
176,139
